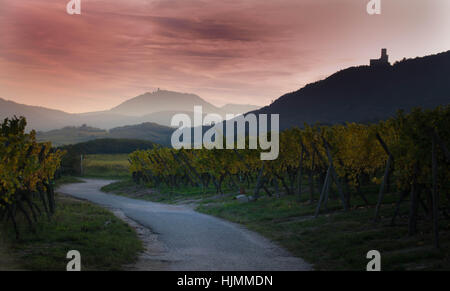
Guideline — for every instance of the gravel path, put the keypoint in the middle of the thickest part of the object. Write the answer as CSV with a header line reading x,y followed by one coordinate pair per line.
x,y
183,239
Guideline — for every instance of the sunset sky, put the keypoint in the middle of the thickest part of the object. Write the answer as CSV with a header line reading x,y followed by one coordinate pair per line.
x,y
226,51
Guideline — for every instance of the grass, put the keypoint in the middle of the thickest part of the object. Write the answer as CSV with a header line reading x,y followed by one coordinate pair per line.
x,y
66,180
8,262
336,240
106,166
164,194
339,240
104,241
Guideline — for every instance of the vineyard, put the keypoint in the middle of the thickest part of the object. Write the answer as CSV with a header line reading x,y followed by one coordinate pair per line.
x,y
406,155
27,169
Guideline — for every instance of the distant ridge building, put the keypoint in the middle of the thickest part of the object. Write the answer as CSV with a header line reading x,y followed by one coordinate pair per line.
x,y
382,61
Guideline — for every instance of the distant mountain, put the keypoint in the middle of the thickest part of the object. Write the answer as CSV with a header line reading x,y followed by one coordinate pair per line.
x,y
364,94
44,119
163,101
161,105
165,117
73,135
157,107
40,117
105,119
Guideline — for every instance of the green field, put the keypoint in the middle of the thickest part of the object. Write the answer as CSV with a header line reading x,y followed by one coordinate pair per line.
x,y
106,166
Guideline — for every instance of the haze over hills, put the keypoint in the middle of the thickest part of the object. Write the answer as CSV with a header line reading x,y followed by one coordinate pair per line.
x,y
161,105
367,93
157,107
142,117
73,135
163,101
40,117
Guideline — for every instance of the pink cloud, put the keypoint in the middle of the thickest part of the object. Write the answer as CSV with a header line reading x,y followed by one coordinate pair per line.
x,y
246,51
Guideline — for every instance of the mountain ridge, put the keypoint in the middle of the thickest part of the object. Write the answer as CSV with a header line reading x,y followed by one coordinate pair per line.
x,y
45,119
367,93
162,100
355,94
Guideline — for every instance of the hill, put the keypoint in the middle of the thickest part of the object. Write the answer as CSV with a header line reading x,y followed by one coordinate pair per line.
x,y
109,146
40,117
157,107
163,101
73,135
44,119
145,131
365,93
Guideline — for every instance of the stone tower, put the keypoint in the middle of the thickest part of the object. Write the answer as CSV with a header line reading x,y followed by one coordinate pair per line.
x,y
382,61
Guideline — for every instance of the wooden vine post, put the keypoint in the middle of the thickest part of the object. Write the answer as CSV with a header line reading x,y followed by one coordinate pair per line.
x,y
385,177
300,174
81,165
304,153
414,206
435,194
331,174
259,181
322,194
436,140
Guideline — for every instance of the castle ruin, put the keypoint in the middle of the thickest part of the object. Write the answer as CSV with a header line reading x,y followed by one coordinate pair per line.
x,y
382,61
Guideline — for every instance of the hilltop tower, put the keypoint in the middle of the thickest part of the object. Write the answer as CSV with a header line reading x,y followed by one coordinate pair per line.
x,y
382,61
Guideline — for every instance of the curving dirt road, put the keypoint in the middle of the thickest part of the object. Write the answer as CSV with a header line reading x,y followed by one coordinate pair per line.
x,y
190,241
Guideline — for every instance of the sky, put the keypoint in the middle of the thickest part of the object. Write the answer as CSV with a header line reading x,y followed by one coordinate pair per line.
x,y
226,51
